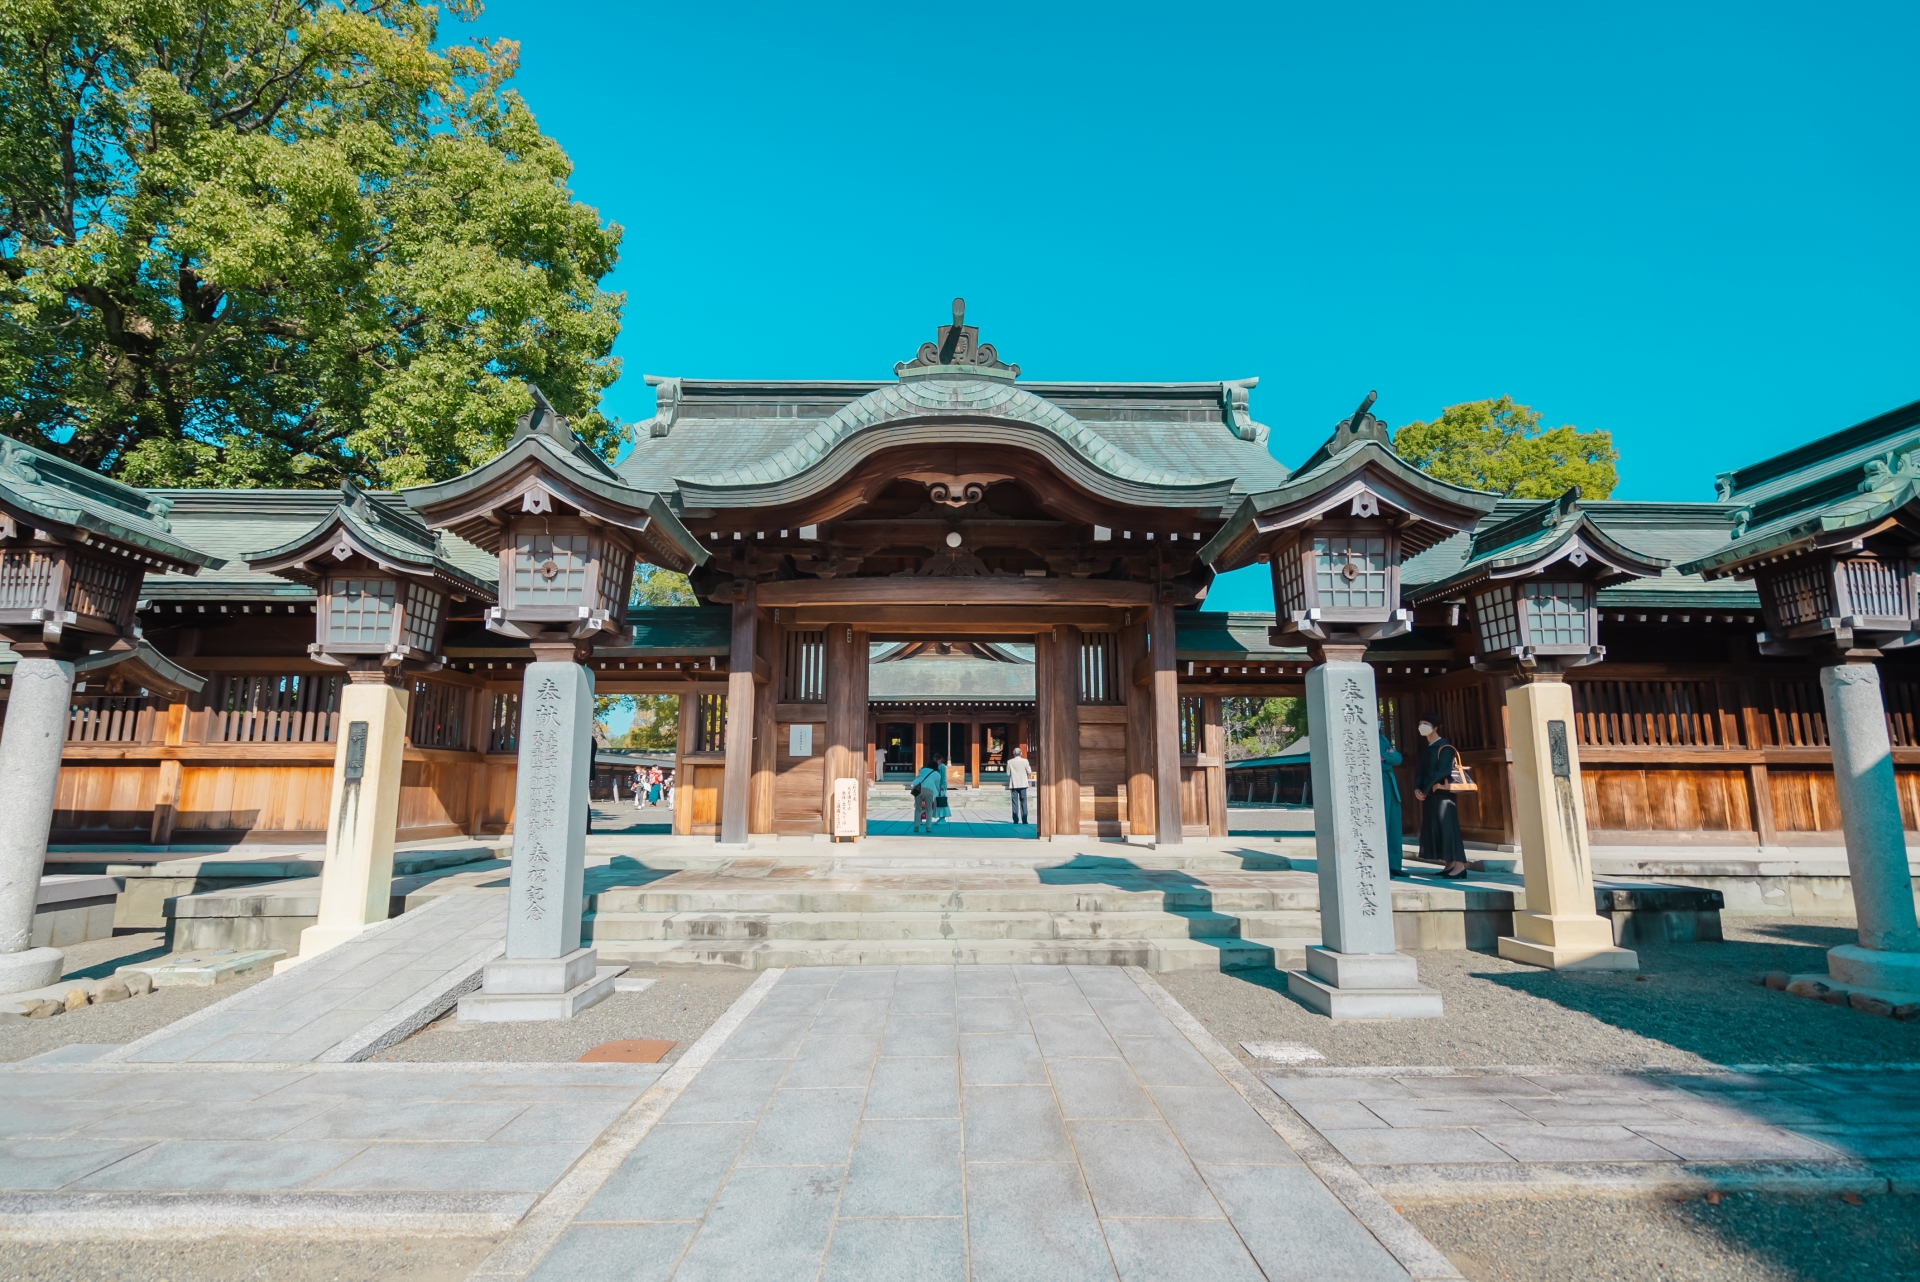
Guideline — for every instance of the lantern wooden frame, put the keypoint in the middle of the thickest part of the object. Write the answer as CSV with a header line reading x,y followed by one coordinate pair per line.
x,y
1853,589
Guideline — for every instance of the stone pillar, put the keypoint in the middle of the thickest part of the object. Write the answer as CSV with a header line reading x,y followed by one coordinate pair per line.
x,y
36,732
1560,928
1168,826
357,880
1887,958
546,974
740,722
1354,973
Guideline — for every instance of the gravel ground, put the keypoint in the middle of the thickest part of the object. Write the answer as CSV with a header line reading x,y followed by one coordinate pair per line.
x,y
681,1006
117,1022
1749,1237
418,1259
1690,1006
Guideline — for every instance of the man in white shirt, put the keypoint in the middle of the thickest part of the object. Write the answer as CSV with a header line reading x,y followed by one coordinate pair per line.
x,y
1019,780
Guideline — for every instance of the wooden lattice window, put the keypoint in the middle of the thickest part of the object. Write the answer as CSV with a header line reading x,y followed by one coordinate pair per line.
x,y
438,715
1098,682
710,723
1651,714
293,707
803,673
1793,714
503,725
1463,717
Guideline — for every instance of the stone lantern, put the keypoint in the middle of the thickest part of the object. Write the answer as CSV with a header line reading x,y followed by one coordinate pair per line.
x,y
75,547
384,587
1830,549
1334,536
567,531
1532,581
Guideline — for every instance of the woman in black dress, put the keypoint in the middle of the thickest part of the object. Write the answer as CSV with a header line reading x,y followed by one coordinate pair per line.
x,y
1439,815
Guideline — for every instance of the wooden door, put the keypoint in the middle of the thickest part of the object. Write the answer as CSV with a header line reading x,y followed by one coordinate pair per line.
x,y
704,798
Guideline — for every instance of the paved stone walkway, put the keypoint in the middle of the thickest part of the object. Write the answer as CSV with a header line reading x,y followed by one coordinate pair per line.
x,y
1440,1135
448,1147
355,999
976,1122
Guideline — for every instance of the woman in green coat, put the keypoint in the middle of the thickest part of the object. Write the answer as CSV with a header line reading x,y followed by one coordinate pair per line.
x,y
1390,793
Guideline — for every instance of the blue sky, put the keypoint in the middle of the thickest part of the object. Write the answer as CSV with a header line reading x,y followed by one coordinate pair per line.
x,y
1692,225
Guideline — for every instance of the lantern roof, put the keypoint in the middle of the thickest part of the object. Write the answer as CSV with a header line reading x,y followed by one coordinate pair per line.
x,y
546,461
79,504
1852,485
395,540
1355,473
1558,530
143,666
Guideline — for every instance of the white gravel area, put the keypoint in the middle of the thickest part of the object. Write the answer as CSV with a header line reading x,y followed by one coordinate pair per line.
x,y
114,1023
1689,1006
680,1006
1744,1238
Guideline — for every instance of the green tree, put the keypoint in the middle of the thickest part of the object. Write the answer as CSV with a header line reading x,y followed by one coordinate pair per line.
x,y
1261,727
278,242
655,586
656,723
1500,446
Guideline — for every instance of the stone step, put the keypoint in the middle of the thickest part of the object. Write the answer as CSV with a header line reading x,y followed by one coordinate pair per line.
x,y
745,895
932,926
1158,955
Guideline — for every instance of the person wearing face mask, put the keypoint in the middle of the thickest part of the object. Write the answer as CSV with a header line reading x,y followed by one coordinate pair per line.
x,y
1439,814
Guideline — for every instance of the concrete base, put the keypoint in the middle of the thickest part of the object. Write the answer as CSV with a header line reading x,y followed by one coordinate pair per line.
x,y
202,970
1363,986
1558,957
1858,967
501,1008
30,968
315,940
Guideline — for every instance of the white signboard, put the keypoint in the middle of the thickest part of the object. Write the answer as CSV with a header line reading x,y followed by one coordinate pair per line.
x,y
800,740
846,808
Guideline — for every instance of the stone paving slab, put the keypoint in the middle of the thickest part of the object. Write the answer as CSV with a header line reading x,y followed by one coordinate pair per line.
x,y
168,1146
983,1123
1421,1134
349,1002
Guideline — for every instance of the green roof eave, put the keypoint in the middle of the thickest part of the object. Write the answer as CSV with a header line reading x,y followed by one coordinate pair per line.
x,y
1827,525
56,492
381,543
1225,550
1508,549
923,409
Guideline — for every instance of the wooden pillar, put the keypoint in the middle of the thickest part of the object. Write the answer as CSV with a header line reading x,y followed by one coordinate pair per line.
x,y
760,794
1140,814
919,745
166,800
1215,746
846,712
1064,719
1166,728
682,773
1043,763
738,784
973,741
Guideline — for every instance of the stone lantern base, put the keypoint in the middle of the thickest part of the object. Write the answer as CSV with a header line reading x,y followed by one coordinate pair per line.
x,y
519,989
30,968
1363,986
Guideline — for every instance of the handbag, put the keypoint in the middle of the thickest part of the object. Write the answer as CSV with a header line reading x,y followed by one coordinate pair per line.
x,y
1460,779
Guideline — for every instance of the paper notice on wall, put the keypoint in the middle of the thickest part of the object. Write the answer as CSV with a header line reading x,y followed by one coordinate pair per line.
x,y
800,741
846,807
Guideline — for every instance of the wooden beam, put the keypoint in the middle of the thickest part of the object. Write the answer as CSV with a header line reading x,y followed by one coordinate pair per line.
x,y
682,776
740,723
955,592
1142,670
984,621
1214,751
1168,830
846,713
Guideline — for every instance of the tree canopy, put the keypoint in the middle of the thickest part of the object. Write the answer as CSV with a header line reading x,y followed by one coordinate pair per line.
x,y
1500,446
279,242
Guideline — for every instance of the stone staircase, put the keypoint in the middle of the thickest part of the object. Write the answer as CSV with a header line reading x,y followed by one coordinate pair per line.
x,y
1157,913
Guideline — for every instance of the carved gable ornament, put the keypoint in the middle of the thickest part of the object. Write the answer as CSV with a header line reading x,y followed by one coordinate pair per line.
x,y
957,348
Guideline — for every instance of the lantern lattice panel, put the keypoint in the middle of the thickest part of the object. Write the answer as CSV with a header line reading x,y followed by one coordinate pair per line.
x,y
359,611
616,579
1876,587
98,587
422,618
1499,620
1289,594
25,578
1557,614
1350,571
549,570
1802,594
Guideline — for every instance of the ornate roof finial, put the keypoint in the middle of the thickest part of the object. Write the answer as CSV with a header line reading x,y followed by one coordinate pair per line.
x,y
542,419
958,345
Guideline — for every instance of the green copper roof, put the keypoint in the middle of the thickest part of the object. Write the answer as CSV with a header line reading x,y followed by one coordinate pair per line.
x,y
387,534
1229,636
1669,532
40,487
1542,534
720,444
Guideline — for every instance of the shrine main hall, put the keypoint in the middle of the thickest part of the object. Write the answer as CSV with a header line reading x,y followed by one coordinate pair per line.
x,y
1062,538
